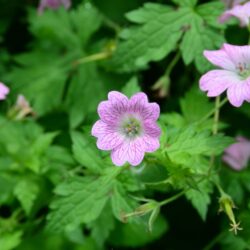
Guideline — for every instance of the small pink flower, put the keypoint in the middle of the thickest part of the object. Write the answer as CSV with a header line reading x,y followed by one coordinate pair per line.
x,y
127,127
238,154
4,91
53,4
231,3
242,12
234,75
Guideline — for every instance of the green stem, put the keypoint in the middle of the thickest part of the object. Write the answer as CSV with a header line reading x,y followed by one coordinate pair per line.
x,y
172,63
175,197
216,115
213,110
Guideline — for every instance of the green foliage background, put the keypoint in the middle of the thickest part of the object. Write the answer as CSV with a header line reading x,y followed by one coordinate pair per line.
x,y
57,190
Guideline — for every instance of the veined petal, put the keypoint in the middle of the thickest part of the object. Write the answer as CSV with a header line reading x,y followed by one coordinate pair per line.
x,y
109,141
139,104
151,144
217,81
100,128
131,151
236,94
237,54
219,58
152,129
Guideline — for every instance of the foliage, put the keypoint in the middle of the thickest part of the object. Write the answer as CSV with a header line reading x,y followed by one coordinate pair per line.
x,y
58,191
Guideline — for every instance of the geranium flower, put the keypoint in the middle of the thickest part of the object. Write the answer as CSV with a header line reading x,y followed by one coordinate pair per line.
x,y
242,12
53,4
4,91
238,154
127,127
234,75
231,3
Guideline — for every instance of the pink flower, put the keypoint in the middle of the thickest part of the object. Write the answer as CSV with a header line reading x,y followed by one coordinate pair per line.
x,y
231,3
242,12
4,90
234,75
53,4
238,154
127,127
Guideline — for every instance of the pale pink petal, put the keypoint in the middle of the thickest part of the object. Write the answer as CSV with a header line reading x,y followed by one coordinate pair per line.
x,y
237,54
109,141
117,98
130,151
217,81
232,162
236,94
101,128
111,112
151,144
138,103
237,154
242,12
152,129
219,58
4,90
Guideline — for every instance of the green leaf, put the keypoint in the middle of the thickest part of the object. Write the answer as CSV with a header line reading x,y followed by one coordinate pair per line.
x,y
156,38
136,235
121,202
86,90
9,241
201,198
81,200
86,152
131,87
26,192
197,39
102,227
187,3
190,142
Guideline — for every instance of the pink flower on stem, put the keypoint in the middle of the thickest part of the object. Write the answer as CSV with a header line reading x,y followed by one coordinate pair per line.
x,y
242,12
238,154
4,91
53,4
127,127
234,75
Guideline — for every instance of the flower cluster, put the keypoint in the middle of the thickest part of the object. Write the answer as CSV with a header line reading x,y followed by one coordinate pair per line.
x,y
127,127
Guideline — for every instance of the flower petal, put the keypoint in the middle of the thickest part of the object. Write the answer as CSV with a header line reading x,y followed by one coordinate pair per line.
x,y
109,141
131,151
236,94
217,81
138,103
151,144
237,54
152,129
101,128
219,58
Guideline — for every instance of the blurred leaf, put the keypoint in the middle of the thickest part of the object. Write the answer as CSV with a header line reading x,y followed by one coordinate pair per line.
x,y
11,240
201,198
86,153
131,87
81,200
26,191
136,235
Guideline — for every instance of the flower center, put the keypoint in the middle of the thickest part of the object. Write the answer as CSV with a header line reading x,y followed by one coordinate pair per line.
x,y
131,127
243,70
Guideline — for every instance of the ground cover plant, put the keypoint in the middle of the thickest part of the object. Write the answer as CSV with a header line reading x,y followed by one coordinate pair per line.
x,y
124,124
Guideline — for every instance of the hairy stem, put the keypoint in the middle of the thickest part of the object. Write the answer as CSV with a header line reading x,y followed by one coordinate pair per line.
x,y
172,63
